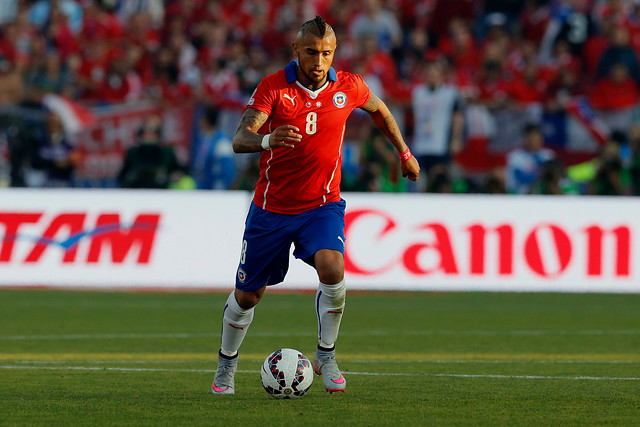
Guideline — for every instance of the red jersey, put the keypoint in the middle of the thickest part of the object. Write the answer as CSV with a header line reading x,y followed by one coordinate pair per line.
x,y
295,180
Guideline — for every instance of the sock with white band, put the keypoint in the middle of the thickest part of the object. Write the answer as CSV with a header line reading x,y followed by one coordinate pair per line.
x,y
330,301
235,323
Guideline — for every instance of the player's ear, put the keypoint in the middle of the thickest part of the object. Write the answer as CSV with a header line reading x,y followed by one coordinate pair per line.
x,y
294,48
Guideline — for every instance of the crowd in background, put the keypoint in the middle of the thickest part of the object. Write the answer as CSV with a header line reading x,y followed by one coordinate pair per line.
x,y
494,96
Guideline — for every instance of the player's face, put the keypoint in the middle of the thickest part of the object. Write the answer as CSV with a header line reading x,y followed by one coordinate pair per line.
x,y
315,56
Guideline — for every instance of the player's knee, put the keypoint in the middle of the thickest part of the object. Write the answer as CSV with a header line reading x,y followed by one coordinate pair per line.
x,y
330,267
331,275
247,300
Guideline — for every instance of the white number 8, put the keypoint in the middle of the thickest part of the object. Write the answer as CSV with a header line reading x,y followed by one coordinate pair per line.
x,y
243,255
312,123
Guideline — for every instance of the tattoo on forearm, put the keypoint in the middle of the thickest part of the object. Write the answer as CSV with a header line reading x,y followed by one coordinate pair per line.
x,y
391,129
384,120
252,120
372,105
245,140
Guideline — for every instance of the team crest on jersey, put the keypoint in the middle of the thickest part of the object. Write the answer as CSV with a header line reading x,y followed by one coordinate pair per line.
x,y
242,276
340,99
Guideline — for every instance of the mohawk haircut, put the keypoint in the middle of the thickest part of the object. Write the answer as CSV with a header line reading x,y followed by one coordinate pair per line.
x,y
318,27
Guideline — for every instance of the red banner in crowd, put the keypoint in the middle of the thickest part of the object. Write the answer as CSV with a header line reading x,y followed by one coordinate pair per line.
x,y
101,147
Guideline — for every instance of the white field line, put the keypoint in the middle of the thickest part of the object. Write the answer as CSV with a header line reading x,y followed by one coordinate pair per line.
x,y
377,374
386,361
500,362
183,335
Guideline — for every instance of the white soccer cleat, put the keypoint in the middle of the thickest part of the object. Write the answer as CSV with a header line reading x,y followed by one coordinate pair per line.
x,y
325,365
223,382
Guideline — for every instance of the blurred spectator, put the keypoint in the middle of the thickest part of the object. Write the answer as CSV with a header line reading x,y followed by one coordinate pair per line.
x,y
99,23
608,179
141,32
509,8
563,88
41,10
220,83
570,22
618,91
14,41
55,154
92,70
11,86
460,46
59,32
446,10
19,131
524,165
633,23
494,182
248,176
529,91
149,163
551,179
380,169
379,64
120,84
154,9
534,20
185,55
375,21
619,53
597,43
165,85
493,87
439,179
48,77
438,120
634,167
213,165
8,10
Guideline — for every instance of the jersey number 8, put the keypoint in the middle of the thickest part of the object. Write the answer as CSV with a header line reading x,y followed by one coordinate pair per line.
x,y
312,123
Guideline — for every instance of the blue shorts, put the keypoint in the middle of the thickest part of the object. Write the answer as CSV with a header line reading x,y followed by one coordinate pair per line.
x,y
268,237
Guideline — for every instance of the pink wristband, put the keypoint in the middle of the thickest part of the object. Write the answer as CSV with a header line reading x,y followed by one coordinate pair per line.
x,y
405,155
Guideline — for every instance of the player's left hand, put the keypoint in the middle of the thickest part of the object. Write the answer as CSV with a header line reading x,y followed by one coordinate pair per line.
x,y
410,169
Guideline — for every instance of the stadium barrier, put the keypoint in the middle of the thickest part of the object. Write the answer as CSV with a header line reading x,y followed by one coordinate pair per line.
x,y
171,239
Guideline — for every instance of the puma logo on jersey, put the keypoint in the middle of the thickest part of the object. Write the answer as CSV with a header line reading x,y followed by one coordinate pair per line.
x,y
342,240
290,98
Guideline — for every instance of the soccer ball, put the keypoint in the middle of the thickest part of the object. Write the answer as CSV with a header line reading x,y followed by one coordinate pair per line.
x,y
286,373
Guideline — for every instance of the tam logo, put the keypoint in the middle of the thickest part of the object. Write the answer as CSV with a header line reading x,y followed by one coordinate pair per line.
x,y
68,229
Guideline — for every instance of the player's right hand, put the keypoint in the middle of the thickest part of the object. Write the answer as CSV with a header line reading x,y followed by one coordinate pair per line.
x,y
410,169
285,136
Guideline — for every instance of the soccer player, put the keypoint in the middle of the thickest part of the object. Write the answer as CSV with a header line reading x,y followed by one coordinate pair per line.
x,y
296,117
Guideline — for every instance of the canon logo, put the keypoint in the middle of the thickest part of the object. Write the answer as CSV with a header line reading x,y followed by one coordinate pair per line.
x,y
66,230
547,250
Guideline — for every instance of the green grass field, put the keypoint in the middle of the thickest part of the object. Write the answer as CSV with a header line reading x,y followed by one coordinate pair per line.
x,y
75,358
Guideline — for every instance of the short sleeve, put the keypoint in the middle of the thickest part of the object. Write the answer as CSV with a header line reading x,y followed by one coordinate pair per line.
x,y
263,98
363,91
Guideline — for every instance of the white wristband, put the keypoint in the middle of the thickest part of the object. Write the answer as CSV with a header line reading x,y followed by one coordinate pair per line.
x,y
265,142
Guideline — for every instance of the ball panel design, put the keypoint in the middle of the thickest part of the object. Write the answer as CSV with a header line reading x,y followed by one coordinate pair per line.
x,y
286,373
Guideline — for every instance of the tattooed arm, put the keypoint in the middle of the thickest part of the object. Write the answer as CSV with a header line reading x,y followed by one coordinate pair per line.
x,y
247,139
383,118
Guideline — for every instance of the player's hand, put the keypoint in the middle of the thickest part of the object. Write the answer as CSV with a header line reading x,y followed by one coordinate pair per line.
x,y
285,136
410,169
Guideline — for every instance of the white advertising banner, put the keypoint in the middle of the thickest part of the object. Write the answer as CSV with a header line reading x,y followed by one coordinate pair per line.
x,y
115,238
490,243
169,239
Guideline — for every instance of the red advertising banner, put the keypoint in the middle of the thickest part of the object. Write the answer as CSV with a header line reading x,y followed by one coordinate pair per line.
x,y
101,147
